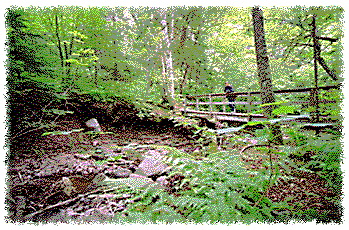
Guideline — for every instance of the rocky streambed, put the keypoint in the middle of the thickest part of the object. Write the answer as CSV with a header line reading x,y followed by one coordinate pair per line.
x,y
55,181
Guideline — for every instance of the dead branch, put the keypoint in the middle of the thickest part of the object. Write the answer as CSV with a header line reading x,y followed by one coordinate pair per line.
x,y
327,39
27,217
330,72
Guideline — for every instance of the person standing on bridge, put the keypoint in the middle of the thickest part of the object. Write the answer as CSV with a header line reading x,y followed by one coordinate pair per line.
x,y
231,98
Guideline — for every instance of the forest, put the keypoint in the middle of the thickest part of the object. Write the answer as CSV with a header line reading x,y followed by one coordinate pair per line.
x,y
174,115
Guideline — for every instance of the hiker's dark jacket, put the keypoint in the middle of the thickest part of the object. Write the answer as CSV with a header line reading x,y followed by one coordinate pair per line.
x,y
229,89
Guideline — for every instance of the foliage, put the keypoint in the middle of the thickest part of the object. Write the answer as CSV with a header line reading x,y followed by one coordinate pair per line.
x,y
216,189
112,54
28,55
112,51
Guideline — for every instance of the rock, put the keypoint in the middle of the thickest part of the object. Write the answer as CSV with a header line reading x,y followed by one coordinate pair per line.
x,y
118,173
138,181
124,162
98,156
82,156
93,123
151,166
110,149
162,181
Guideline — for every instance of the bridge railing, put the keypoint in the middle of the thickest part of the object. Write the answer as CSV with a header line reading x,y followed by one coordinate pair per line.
x,y
249,103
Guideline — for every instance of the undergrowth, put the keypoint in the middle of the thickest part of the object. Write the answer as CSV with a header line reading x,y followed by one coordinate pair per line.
x,y
220,188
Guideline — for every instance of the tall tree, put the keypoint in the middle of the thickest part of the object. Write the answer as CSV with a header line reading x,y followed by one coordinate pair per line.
x,y
263,67
263,70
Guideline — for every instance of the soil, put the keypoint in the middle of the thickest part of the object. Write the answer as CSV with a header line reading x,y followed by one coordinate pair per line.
x,y
35,173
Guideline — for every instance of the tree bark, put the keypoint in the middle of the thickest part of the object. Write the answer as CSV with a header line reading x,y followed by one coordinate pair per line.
x,y
316,46
168,56
263,70
59,46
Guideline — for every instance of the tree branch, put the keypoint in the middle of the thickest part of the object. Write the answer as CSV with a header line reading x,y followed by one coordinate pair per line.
x,y
304,44
330,72
327,39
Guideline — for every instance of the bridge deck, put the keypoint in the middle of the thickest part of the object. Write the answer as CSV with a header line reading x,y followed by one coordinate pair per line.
x,y
243,117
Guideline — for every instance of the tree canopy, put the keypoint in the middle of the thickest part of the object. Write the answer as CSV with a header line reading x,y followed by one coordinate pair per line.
x,y
159,54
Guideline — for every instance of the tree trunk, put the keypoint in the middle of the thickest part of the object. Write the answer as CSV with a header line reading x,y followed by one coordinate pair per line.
x,y
262,59
263,70
316,59
59,46
182,84
168,56
167,62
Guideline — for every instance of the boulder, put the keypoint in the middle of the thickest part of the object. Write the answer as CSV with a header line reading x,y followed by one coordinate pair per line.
x,y
93,123
151,166
118,173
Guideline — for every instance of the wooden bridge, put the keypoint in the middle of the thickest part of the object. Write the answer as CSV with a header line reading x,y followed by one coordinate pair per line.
x,y
249,101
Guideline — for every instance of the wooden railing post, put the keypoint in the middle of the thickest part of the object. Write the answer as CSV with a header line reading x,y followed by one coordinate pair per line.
x,y
224,108
249,106
211,108
315,104
197,103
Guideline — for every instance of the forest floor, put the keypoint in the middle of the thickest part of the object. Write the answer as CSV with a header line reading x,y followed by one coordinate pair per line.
x,y
34,180
34,176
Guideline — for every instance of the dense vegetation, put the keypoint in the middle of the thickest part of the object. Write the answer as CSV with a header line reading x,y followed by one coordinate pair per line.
x,y
150,58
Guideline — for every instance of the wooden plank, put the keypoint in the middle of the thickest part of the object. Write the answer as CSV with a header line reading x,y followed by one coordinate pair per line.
x,y
299,90
290,118
224,103
221,118
223,113
317,125
252,103
230,118
228,130
284,119
198,115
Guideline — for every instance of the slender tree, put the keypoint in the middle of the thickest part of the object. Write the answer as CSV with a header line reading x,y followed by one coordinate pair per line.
x,y
263,69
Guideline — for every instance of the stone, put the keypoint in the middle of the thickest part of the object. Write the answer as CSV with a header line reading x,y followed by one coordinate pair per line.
x,y
151,166
93,123
138,181
118,173
162,181
82,156
110,149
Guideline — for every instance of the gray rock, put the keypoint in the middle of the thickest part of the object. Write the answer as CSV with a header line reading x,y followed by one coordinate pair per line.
x,y
82,156
93,123
151,166
118,173
162,181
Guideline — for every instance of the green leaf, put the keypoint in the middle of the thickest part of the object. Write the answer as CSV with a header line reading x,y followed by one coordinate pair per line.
x,y
274,103
284,110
